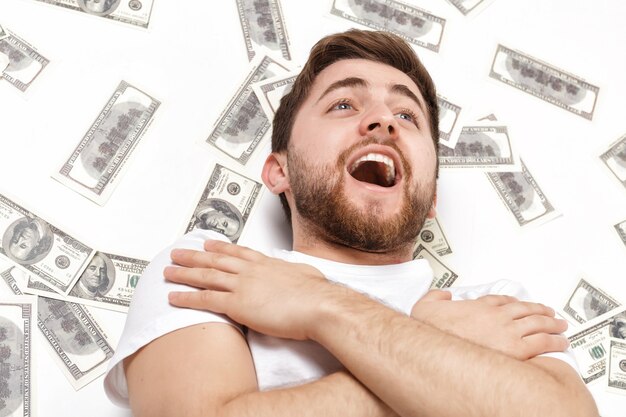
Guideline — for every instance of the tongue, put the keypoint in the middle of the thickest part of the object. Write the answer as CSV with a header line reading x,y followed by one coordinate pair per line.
x,y
372,172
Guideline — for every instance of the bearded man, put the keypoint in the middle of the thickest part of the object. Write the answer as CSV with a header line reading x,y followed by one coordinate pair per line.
x,y
344,324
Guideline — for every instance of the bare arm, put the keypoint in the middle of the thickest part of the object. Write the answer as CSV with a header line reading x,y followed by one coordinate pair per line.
x,y
386,351
206,370
415,368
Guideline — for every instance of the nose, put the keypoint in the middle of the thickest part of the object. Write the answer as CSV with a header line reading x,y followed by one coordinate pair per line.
x,y
379,122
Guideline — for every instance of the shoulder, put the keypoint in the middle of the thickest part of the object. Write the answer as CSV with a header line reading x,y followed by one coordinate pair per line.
x,y
151,316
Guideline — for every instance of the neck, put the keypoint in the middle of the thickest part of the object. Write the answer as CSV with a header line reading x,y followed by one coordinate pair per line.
x,y
308,242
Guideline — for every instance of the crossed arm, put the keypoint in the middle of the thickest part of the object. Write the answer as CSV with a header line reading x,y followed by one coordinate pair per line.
x,y
450,358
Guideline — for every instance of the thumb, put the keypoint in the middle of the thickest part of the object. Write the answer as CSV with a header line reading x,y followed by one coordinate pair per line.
x,y
436,295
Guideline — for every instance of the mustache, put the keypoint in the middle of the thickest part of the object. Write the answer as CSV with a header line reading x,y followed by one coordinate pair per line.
x,y
374,140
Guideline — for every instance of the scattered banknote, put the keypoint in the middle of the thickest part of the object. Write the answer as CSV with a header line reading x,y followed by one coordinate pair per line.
x,y
449,121
263,25
469,6
270,91
242,124
621,231
615,159
76,341
17,356
432,237
549,83
617,366
444,277
22,62
95,166
414,25
487,147
591,344
134,12
3,33
521,194
41,249
226,203
588,302
109,282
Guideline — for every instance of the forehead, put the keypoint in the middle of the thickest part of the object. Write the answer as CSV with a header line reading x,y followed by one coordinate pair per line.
x,y
375,73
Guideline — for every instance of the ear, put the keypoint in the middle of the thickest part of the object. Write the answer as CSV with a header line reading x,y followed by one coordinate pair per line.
x,y
433,208
275,174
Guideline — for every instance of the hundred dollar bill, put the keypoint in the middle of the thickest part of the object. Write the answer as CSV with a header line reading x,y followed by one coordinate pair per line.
x,y
76,341
22,62
270,91
615,159
432,237
521,194
96,165
591,344
109,282
486,147
449,121
263,24
226,203
444,277
412,24
41,249
621,231
617,366
542,80
17,356
469,6
241,126
134,12
588,302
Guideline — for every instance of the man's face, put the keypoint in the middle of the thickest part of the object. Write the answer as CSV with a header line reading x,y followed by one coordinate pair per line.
x,y
94,274
218,221
361,160
97,6
23,243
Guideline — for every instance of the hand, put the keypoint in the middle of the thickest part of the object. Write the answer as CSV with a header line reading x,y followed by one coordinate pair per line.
x,y
269,295
518,329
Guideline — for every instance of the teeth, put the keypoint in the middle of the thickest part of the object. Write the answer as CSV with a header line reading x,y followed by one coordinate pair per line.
x,y
388,162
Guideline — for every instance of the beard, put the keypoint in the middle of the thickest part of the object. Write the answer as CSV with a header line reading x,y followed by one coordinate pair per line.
x,y
329,214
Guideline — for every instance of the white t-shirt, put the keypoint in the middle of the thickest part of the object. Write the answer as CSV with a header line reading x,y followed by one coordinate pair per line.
x,y
278,362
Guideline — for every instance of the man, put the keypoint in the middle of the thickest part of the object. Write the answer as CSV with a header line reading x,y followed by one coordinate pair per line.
x,y
220,216
354,160
94,281
29,242
99,7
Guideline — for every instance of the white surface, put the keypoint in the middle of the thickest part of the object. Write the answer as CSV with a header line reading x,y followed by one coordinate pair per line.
x,y
193,58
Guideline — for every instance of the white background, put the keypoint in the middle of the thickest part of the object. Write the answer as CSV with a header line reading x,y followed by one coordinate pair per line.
x,y
192,59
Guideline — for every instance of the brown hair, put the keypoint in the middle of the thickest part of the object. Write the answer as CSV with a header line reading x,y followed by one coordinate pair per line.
x,y
382,47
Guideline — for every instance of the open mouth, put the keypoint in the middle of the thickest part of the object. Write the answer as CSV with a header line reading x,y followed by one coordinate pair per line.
x,y
374,168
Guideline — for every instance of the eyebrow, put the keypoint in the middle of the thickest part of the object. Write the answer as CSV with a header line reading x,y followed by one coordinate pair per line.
x,y
400,89
346,82
405,91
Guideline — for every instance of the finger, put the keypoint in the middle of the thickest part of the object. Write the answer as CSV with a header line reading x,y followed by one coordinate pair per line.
x,y
540,324
200,277
497,300
521,309
231,249
436,295
537,344
202,259
215,301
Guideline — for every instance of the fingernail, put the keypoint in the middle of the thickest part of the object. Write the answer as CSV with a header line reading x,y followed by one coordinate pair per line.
x,y
176,252
172,296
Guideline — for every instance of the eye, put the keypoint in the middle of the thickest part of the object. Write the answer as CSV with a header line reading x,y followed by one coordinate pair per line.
x,y
343,104
408,115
